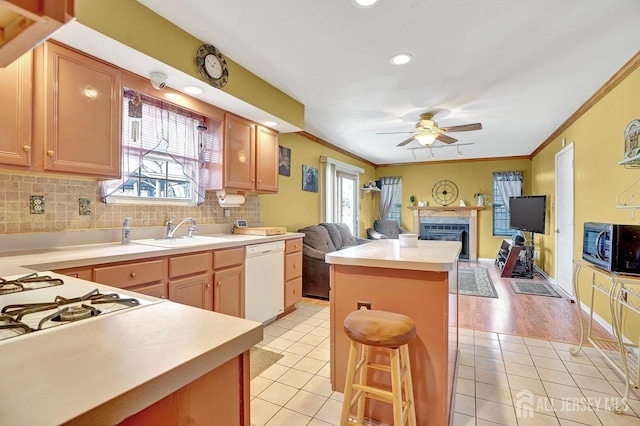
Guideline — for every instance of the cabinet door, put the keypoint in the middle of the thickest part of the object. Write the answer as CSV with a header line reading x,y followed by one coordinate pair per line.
x,y
239,145
292,292
267,155
194,291
229,296
15,112
155,290
82,114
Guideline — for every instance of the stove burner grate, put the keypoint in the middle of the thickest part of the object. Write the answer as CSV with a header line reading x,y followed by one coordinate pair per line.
x,y
28,282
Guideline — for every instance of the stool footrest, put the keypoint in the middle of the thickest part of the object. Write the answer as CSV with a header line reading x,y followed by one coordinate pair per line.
x,y
385,395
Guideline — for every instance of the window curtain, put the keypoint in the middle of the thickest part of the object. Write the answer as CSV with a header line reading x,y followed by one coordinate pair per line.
x,y
390,187
156,128
509,184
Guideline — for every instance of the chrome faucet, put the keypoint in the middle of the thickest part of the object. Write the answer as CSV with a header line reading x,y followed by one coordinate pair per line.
x,y
192,228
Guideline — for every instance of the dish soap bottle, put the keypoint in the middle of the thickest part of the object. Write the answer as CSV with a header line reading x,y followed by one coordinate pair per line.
x,y
126,231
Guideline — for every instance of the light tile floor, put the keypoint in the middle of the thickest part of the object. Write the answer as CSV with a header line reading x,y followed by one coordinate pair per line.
x,y
503,380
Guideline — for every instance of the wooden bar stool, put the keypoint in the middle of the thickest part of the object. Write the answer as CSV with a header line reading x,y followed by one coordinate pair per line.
x,y
368,328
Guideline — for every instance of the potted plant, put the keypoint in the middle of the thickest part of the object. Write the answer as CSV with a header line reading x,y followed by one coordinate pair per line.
x,y
413,200
482,198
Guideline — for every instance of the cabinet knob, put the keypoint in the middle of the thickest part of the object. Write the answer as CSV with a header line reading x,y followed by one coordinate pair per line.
x,y
295,265
208,285
218,283
133,275
259,180
295,246
253,180
294,291
26,148
50,153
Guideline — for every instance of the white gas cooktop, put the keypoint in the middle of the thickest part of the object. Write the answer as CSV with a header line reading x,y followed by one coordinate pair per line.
x,y
38,303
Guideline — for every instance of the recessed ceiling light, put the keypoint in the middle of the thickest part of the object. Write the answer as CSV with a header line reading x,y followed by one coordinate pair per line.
x,y
193,90
401,59
270,123
365,3
172,96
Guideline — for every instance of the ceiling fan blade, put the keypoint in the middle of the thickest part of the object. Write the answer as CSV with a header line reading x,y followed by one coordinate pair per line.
x,y
391,133
446,139
403,143
463,127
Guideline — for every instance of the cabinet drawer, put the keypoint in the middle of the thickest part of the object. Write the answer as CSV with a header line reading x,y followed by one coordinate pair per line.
x,y
292,266
189,265
131,274
292,292
292,246
226,258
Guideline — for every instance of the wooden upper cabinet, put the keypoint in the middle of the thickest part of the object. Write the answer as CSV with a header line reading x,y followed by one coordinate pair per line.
x,y
239,146
15,112
267,155
251,156
82,112
25,23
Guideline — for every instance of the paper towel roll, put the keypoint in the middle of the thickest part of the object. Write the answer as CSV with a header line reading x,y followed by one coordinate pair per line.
x,y
231,200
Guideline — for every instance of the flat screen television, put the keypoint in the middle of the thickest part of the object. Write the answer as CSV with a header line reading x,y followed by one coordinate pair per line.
x,y
528,213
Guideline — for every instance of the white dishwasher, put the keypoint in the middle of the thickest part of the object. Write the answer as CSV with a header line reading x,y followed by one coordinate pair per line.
x,y
264,281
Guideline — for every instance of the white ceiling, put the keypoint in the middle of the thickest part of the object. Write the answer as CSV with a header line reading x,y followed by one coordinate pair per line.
x,y
519,67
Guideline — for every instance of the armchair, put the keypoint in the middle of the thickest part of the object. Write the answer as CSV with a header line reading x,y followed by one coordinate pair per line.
x,y
383,229
318,241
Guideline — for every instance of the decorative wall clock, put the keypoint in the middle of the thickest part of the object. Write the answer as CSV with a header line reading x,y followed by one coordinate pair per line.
x,y
444,192
212,66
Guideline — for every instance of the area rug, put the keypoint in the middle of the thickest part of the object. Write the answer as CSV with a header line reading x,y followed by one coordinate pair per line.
x,y
536,288
474,281
261,359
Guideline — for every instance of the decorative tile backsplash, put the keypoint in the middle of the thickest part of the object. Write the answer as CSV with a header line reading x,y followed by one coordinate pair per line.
x,y
75,204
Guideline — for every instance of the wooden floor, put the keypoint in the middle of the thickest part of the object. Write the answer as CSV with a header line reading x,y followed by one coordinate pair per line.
x,y
541,317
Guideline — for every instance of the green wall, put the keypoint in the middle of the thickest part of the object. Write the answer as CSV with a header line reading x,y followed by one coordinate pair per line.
x,y
294,208
136,26
470,177
598,139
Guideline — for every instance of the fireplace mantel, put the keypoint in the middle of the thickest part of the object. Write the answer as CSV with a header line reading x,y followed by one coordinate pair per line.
x,y
470,212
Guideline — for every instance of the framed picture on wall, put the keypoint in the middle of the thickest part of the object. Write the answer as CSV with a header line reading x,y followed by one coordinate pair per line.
x,y
284,163
309,178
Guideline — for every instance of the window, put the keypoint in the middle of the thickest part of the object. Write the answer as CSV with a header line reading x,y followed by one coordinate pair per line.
x,y
164,149
505,185
395,210
347,200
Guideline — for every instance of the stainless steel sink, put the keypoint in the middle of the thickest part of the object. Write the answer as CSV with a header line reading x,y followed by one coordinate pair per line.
x,y
181,241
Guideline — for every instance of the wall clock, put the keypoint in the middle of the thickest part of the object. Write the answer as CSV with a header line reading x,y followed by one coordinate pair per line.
x,y
444,192
212,66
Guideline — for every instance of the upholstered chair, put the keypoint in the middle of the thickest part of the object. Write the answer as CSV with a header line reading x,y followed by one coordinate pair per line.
x,y
383,229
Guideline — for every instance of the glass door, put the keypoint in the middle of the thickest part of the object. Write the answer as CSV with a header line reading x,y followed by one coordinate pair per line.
x,y
346,201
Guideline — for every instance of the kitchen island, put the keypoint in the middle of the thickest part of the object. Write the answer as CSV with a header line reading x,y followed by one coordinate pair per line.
x,y
413,281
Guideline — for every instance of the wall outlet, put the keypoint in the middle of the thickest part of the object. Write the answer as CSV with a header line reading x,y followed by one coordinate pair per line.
x,y
227,213
362,305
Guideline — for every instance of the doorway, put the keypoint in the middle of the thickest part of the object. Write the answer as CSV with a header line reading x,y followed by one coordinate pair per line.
x,y
347,200
564,220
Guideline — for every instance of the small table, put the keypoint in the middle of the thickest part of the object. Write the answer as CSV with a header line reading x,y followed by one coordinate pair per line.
x,y
623,292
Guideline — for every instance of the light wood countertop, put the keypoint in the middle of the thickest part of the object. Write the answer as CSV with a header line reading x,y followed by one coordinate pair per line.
x,y
428,256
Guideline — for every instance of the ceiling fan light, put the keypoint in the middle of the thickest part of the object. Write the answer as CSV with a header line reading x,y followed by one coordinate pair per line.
x,y
426,138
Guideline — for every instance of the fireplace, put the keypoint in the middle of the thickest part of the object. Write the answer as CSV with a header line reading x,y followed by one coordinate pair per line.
x,y
458,215
447,232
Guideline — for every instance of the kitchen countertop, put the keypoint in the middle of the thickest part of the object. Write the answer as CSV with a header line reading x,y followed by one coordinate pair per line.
x,y
100,371
428,256
14,263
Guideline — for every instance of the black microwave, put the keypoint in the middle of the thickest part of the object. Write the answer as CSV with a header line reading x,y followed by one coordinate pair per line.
x,y
615,248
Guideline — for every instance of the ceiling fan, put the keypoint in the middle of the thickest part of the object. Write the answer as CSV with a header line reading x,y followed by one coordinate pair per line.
x,y
427,131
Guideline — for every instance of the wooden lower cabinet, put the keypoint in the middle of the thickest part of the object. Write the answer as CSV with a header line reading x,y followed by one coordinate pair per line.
x,y
193,291
292,273
228,297
146,277
220,397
